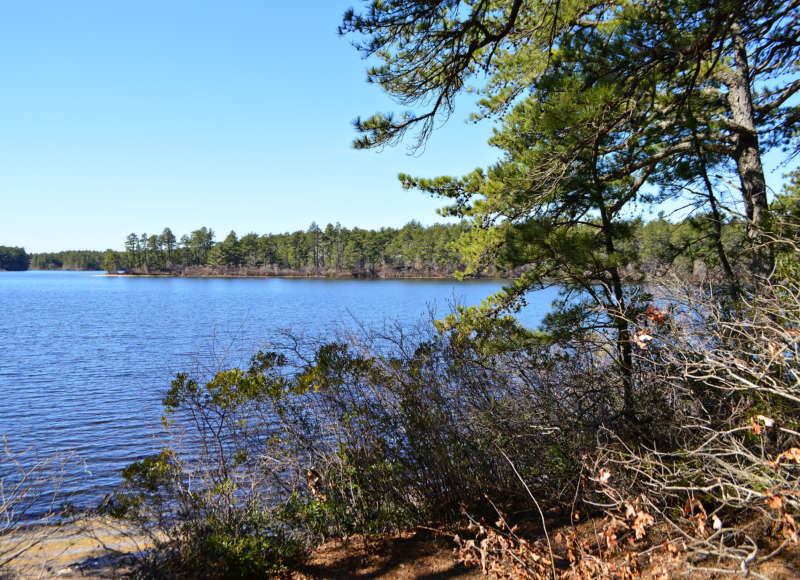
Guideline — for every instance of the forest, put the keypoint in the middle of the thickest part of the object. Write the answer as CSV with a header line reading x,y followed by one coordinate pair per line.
x,y
654,247
13,258
333,250
67,260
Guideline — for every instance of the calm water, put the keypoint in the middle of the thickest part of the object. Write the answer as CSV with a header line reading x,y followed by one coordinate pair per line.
x,y
85,359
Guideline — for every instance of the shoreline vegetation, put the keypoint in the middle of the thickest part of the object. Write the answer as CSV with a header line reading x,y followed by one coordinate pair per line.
x,y
250,273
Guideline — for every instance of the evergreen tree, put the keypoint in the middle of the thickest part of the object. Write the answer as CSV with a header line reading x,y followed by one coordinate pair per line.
x,y
230,253
13,258
131,248
154,250
112,261
596,100
167,241
248,247
675,79
186,244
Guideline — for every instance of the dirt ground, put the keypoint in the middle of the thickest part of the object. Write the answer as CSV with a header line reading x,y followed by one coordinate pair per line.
x,y
411,556
97,549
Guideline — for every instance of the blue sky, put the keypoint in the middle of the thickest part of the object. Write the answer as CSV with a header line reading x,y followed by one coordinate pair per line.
x,y
119,117
131,116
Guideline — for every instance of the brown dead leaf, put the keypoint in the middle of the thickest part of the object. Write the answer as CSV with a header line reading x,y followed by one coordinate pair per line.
x,y
643,521
642,340
630,511
773,499
692,504
790,529
656,316
700,524
792,454
755,427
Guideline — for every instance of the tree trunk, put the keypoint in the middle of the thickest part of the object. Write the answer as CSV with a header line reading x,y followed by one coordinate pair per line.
x,y
716,222
620,321
748,157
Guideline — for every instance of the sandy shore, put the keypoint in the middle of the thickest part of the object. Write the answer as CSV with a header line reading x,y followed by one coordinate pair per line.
x,y
90,548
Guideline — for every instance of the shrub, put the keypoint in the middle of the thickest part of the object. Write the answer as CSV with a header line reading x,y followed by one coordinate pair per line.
x,y
726,471
373,434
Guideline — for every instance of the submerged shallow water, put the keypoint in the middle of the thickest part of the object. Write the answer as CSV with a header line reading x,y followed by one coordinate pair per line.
x,y
85,359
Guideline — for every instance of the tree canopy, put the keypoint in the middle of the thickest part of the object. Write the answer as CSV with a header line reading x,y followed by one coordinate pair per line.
x,y
599,106
658,92
334,249
13,258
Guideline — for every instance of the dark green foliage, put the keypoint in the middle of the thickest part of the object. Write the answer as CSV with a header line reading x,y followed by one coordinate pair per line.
x,y
412,248
242,550
193,537
664,246
602,97
439,249
14,259
68,260
369,437
147,487
113,261
786,228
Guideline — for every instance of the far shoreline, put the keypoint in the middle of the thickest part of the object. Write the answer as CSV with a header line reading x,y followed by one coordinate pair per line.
x,y
442,277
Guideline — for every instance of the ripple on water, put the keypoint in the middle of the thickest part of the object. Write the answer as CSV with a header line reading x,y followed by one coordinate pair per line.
x,y
85,360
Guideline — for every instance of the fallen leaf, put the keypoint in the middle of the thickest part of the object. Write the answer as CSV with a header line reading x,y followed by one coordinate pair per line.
x,y
630,511
792,454
656,316
643,521
774,500
754,427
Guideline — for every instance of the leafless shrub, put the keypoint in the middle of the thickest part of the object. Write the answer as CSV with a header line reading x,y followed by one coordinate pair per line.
x,y
724,474
500,551
32,507
425,426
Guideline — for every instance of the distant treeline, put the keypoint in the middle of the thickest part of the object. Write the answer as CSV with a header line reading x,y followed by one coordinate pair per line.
x,y
67,260
16,258
410,250
656,246
13,258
